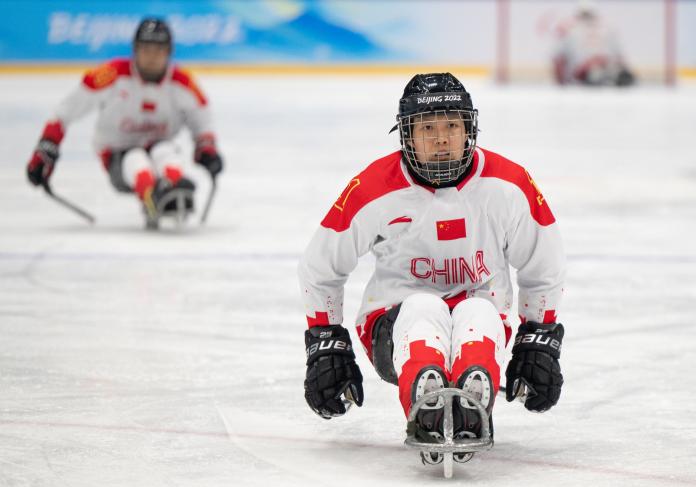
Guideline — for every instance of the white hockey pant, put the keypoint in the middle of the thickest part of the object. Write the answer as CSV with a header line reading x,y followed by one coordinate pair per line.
x,y
163,160
426,334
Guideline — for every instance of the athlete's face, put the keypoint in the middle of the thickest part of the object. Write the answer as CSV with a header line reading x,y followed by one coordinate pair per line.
x,y
151,60
438,137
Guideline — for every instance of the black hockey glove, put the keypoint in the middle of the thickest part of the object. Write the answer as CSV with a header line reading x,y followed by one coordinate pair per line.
x,y
331,371
212,162
42,162
207,156
534,365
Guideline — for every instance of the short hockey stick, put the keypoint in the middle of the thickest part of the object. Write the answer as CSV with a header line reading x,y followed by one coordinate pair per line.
x,y
521,394
59,199
211,195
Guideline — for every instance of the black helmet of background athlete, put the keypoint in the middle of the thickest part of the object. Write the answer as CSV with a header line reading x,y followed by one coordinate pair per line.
x,y
152,47
439,97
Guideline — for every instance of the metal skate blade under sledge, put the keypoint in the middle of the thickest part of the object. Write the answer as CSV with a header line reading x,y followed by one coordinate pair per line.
x,y
172,205
449,445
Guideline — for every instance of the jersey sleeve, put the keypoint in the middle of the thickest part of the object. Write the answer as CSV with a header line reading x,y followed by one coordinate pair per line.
x,y
535,249
332,255
76,105
193,103
97,84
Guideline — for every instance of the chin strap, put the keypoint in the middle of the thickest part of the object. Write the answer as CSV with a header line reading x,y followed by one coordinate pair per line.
x,y
424,182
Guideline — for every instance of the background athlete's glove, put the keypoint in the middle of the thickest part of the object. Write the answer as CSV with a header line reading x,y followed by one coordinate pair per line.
x,y
42,162
331,371
534,365
207,155
44,158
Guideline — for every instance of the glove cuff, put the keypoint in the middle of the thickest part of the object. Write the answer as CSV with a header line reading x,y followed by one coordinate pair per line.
x,y
48,147
327,340
540,337
205,144
53,131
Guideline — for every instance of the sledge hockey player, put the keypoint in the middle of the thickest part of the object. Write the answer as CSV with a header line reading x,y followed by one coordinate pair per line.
x,y
444,219
143,102
588,53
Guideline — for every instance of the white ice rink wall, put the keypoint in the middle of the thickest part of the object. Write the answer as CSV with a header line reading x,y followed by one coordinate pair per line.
x,y
511,39
647,34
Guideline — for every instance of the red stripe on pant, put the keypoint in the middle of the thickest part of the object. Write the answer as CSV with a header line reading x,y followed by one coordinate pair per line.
x,y
481,354
144,181
173,173
420,356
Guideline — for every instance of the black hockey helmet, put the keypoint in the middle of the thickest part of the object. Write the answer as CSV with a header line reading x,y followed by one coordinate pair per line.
x,y
442,97
154,31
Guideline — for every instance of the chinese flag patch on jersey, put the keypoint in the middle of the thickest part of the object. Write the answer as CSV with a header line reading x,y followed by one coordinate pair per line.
x,y
451,229
148,106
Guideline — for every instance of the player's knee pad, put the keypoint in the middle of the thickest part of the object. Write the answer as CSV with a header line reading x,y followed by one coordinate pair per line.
x,y
134,161
165,153
423,316
424,305
475,306
480,315
124,167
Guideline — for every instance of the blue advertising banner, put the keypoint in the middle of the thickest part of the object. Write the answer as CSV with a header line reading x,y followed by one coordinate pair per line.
x,y
224,31
333,32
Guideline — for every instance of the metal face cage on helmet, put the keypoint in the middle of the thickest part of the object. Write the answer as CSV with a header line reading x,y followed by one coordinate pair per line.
x,y
438,127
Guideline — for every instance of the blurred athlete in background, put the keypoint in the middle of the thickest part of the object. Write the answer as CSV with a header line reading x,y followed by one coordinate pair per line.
x,y
143,102
588,53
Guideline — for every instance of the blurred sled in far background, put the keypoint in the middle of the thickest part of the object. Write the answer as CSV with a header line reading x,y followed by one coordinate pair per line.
x,y
588,53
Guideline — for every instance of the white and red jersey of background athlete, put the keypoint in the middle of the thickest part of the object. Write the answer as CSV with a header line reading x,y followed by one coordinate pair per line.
x,y
581,45
133,113
453,242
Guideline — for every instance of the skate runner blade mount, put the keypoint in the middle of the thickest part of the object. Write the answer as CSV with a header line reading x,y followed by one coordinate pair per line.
x,y
449,445
176,204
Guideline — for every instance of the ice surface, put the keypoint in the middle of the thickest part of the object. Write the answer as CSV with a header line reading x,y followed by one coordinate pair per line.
x,y
177,358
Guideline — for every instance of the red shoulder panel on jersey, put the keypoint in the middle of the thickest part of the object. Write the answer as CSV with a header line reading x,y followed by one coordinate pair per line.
x,y
379,178
106,74
186,80
497,166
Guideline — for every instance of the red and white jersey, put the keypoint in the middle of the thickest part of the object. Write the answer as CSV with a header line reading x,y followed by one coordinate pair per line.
x,y
133,113
583,44
455,242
